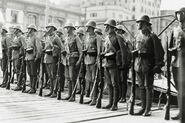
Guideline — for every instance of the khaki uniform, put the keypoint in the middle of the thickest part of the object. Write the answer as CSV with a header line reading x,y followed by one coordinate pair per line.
x,y
33,52
93,45
73,48
18,44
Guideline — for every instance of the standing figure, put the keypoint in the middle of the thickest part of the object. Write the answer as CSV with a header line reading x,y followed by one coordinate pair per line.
x,y
92,50
176,49
52,51
33,54
18,51
113,60
73,54
146,62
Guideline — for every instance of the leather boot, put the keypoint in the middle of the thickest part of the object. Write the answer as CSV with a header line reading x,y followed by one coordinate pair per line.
x,y
143,102
149,95
177,117
51,89
110,98
72,98
69,91
54,94
18,87
115,99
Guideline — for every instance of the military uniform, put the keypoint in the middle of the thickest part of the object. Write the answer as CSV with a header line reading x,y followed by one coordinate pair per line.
x,y
52,49
146,64
73,48
33,53
177,51
5,45
18,46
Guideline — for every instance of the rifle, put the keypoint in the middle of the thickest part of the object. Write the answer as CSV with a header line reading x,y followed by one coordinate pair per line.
x,y
101,83
132,98
167,112
41,78
60,81
82,82
23,72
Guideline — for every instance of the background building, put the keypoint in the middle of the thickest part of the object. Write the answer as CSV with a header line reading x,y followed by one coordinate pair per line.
x,y
38,12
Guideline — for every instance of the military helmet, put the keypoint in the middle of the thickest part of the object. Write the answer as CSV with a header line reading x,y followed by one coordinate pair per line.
x,y
18,27
144,18
5,29
32,26
70,25
110,22
80,31
180,14
98,30
51,25
60,29
120,27
91,24
181,9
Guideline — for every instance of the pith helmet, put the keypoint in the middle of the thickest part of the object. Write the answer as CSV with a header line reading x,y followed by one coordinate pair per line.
x,y
110,22
120,27
144,18
91,24
60,30
32,26
70,25
18,27
181,10
80,31
51,25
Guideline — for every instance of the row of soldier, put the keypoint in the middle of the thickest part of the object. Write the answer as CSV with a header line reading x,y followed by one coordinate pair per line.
x,y
64,57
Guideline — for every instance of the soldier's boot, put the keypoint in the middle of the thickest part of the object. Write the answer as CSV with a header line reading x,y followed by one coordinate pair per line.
x,y
115,99
89,90
177,117
33,85
94,96
51,89
109,105
30,84
72,98
143,102
69,91
54,94
18,87
149,95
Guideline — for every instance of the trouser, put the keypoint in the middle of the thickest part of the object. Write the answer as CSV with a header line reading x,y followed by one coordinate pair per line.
x,y
90,78
145,81
4,67
32,72
111,77
123,83
51,71
71,76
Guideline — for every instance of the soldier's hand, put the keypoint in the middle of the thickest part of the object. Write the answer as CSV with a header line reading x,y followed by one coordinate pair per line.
x,y
135,53
172,51
84,51
64,53
157,69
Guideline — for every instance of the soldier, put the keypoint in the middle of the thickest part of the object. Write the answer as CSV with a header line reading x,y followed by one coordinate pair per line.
x,y
176,48
81,35
113,44
73,53
4,63
18,46
33,54
146,62
123,72
52,51
92,49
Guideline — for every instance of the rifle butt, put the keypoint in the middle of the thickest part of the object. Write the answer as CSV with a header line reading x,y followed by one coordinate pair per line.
x,y
131,110
59,95
24,87
40,92
98,104
8,86
167,113
81,99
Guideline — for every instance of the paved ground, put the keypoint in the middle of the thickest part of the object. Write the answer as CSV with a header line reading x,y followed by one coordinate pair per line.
x,y
17,107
